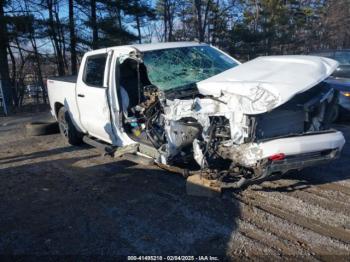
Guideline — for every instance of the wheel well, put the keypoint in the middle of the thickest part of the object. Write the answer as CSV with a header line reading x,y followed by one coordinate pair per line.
x,y
57,108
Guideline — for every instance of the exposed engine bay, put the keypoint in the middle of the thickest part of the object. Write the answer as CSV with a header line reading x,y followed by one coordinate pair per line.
x,y
215,134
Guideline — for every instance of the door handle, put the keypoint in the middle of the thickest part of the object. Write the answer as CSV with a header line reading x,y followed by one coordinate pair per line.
x,y
81,95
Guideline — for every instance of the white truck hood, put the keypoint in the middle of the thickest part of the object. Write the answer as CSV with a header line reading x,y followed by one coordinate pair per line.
x,y
267,82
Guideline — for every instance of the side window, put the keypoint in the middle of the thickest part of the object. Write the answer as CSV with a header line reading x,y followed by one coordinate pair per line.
x,y
94,70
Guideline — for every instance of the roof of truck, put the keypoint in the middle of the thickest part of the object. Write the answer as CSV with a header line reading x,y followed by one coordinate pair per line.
x,y
147,47
157,46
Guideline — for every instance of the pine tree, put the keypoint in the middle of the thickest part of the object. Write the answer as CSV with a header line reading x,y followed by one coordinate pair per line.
x,y
142,13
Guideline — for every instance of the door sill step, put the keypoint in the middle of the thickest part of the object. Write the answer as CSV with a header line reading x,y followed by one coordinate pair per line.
x,y
100,146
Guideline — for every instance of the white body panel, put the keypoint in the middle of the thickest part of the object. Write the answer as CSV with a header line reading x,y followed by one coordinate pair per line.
x,y
93,105
270,81
291,146
64,93
91,114
117,132
303,144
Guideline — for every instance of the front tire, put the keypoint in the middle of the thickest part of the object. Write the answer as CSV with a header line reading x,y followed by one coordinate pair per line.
x,y
67,128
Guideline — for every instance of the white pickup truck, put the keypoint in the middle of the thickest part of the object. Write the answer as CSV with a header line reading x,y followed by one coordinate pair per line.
x,y
192,108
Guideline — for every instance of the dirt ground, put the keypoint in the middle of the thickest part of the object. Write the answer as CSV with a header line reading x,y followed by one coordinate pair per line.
x,y
61,200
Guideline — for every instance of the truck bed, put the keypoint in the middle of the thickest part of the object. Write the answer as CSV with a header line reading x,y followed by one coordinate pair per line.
x,y
61,91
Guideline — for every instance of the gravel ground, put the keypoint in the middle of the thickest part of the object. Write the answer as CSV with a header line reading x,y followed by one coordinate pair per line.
x,y
63,200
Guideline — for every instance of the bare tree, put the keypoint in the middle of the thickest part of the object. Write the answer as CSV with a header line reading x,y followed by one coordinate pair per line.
x,y
336,24
93,18
166,10
202,8
53,33
73,38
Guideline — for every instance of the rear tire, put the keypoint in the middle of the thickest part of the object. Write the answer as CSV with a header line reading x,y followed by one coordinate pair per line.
x,y
67,128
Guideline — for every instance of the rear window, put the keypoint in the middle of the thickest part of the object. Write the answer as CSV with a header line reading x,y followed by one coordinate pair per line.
x,y
94,70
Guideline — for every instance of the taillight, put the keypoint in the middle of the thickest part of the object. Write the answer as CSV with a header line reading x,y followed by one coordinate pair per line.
x,y
277,157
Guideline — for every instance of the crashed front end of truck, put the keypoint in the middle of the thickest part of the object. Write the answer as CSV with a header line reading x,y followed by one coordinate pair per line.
x,y
226,143
261,118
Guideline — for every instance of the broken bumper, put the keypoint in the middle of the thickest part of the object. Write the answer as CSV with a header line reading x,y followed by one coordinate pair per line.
x,y
302,144
304,151
302,161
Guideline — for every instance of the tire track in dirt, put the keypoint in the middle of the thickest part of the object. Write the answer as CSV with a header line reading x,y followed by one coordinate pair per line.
x,y
297,238
313,196
305,208
270,240
334,196
259,202
336,187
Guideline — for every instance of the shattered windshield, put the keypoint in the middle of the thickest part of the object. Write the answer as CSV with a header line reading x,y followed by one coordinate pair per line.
x,y
179,67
